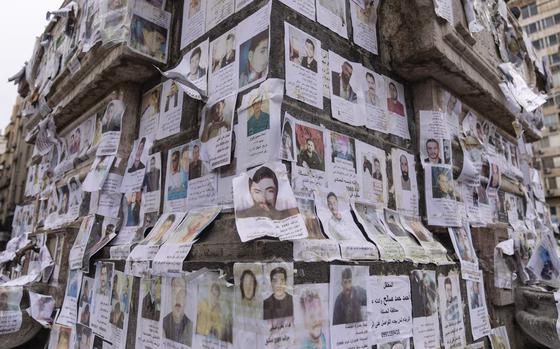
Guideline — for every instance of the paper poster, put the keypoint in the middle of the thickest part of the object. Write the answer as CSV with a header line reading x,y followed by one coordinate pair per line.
x,y
425,321
436,251
136,168
348,298
494,178
98,174
480,323
306,8
194,21
214,313
147,249
347,104
364,21
41,307
307,209
376,115
216,131
265,204
60,337
451,311
85,303
371,174
444,9
203,189
133,215
10,312
149,32
83,337
435,141
341,167
151,184
277,306
499,338
317,250
303,66
389,308
149,313
228,172
470,163
332,14
462,243
76,199
400,344
259,124
247,304
334,212
253,47
197,70
69,311
177,178
111,128
170,257
103,231
217,11
78,249
178,314
396,106
170,110
440,196
311,316
369,217
222,78
240,4
149,112
103,285
413,251
404,180
309,145
120,308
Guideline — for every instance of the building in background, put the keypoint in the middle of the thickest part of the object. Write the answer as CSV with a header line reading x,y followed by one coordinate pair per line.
x,y
541,21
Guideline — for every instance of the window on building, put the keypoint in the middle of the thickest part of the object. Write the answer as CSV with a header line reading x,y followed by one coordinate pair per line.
x,y
557,18
552,40
547,163
554,58
529,10
532,28
538,44
552,184
547,22
545,142
556,77
549,102
551,120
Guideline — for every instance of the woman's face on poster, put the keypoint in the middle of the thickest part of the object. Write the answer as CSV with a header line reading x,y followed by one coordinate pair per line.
x,y
248,284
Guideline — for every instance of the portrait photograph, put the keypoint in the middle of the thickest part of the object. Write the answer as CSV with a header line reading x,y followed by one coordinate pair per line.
x,y
287,151
337,221
214,310
72,284
85,305
264,192
311,316
198,65
278,291
451,310
462,241
83,337
307,209
402,344
163,228
395,97
148,38
137,158
374,89
103,280
176,325
475,293
310,148
152,177
10,298
392,221
343,148
112,117
218,119
177,174
253,59
344,78
423,293
348,294
258,114
304,50
495,177
150,292
150,108
223,51
171,100
442,183
193,224
98,173
248,293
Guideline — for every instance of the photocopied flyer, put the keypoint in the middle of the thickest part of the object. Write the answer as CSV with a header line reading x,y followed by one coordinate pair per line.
x,y
451,311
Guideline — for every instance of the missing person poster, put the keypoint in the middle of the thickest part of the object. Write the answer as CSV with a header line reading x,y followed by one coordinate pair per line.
x,y
371,174
308,143
217,11
197,68
136,167
103,286
120,308
111,128
462,243
170,110
306,8
177,312
98,174
194,21
222,77
85,303
259,124
499,338
265,204
404,180
151,185
369,217
247,304
77,252
480,322
413,250
425,309
177,178
389,308
435,140
451,311
149,313
348,298
214,313
311,316
441,200
435,250
278,305
10,312
364,21
216,130
203,183
150,112
332,14
253,48
373,85
169,259
304,66
396,106
149,32
334,212
69,310
341,167
347,103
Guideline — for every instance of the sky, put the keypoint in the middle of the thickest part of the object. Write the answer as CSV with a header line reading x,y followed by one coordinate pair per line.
x,y
20,22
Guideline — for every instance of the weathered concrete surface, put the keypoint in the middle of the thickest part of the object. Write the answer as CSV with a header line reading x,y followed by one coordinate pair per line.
x,y
536,314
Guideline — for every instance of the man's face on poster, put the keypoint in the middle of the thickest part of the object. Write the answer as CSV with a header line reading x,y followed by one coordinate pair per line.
x,y
103,278
257,105
347,286
432,148
152,164
218,111
404,166
443,183
139,151
332,204
153,288
393,94
175,162
185,160
278,282
376,166
4,300
178,294
309,49
258,59
346,73
313,317
370,83
248,285
109,230
448,292
310,146
194,62
229,44
264,193
341,146
196,153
